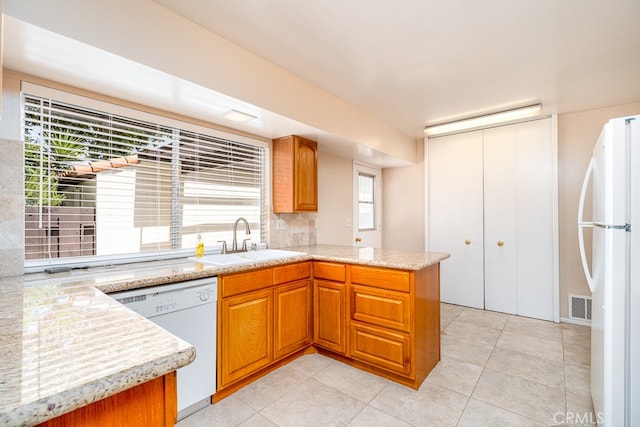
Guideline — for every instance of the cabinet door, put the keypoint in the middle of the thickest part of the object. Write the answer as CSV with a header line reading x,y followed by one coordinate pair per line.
x,y
500,219
246,334
295,175
455,215
292,318
329,315
306,175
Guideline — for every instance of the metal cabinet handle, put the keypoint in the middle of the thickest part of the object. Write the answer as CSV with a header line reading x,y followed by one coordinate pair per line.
x,y
467,242
358,240
500,243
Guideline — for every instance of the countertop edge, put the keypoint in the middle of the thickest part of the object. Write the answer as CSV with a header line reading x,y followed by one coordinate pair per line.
x,y
60,403
211,271
66,401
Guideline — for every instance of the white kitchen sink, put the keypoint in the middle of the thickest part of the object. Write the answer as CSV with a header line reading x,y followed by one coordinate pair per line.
x,y
224,260
268,254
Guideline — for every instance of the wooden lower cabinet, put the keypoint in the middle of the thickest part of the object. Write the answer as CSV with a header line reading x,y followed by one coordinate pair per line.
x,y
329,300
380,328
246,334
394,321
381,347
292,318
152,404
263,317
382,320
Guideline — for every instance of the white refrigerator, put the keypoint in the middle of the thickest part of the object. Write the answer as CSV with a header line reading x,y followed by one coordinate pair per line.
x,y
614,275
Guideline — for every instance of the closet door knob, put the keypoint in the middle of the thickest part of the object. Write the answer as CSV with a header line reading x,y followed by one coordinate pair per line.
x,y
500,243
467,242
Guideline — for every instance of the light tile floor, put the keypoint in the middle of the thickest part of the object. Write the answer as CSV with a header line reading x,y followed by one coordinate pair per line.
x,y
496,370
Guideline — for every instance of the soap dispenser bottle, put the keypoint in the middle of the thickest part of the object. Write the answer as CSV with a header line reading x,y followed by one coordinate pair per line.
x,y
199,247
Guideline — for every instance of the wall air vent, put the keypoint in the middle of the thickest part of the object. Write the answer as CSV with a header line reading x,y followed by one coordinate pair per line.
x,y
129,300
580,308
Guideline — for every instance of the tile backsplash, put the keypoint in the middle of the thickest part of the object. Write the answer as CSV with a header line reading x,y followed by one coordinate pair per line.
x,y
12,211
297,229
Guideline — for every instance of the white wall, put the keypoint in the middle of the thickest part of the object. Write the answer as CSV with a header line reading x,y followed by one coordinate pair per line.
x,y
402,204
335,199
403,214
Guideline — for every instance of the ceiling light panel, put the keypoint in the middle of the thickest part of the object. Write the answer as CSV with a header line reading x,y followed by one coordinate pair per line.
x,y
484,121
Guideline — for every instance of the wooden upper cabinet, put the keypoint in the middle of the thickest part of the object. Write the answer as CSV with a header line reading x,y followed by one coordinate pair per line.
x,y
295,175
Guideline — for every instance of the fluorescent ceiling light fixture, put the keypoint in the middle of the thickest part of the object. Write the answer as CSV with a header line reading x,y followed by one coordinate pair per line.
x,y
484,121
239,116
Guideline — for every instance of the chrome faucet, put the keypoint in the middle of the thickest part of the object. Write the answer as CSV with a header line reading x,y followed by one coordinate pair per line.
x,y
234,246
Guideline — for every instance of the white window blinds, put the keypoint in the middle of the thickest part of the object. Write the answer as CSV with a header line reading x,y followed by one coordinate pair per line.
x,y
102,185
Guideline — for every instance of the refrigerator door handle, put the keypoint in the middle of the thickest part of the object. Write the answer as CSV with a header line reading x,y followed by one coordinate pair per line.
x,y
585,224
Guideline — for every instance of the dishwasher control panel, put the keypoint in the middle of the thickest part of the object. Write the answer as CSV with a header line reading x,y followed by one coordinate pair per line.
x,y
159,300
166,305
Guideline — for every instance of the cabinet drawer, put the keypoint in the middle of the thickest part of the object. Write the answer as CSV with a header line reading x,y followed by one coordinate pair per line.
x,y
382,348
329,271
380,307
397,280
244,282
291,272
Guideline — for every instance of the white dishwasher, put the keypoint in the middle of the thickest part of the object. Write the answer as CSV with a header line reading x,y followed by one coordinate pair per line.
x,y
188,311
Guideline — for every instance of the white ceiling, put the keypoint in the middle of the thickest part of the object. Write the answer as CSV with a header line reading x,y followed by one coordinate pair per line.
x,y
33,50
409,63
418,62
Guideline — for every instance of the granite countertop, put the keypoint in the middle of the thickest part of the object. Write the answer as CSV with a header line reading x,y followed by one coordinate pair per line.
x,y
66,344
64,347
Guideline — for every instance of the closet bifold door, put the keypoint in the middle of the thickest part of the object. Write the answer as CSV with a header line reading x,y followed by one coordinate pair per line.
x,y
455,215
518,219
535,219
500,219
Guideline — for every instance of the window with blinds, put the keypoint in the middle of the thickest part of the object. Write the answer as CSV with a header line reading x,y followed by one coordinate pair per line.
x,y
105,186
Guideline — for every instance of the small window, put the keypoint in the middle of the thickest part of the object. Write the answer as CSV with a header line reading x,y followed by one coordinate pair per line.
x,y
106,186
366,202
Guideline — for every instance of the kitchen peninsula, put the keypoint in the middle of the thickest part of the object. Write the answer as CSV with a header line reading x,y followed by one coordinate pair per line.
x,y
66,344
